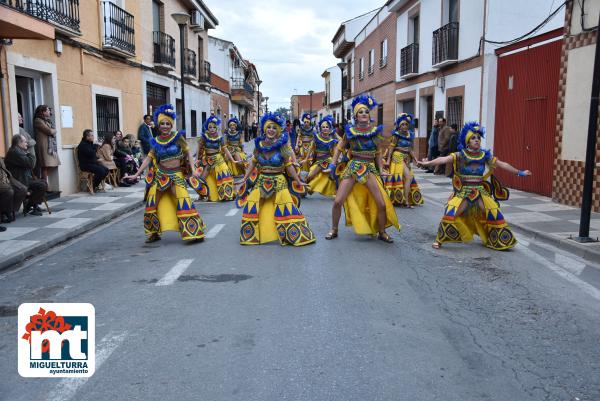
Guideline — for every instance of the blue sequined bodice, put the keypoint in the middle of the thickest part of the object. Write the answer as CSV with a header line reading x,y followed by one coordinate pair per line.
x,y
212,143
274,161
169,149
473,164
404,140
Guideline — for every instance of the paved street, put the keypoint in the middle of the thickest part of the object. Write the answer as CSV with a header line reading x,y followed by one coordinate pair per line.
x,y
351,319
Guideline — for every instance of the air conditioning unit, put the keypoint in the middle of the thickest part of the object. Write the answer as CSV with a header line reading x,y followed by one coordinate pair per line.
x,y
197,20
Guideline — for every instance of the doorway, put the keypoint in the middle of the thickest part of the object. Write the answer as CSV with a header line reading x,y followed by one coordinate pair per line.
x,y
26,101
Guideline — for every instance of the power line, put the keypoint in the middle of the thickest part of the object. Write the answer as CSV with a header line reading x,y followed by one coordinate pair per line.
x,y
534,30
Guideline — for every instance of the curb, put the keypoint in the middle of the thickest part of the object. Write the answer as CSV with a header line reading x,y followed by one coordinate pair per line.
x,y
67,235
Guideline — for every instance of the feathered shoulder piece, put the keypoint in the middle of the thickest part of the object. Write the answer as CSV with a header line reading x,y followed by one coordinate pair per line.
x,y
159,142
351,132
409,134
470,128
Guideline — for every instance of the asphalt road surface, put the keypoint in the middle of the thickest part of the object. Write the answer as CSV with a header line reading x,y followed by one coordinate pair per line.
x,y
349,319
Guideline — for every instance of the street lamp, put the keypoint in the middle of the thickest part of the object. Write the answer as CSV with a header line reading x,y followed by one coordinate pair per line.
x,y
342,64
258,82
182,19
310,92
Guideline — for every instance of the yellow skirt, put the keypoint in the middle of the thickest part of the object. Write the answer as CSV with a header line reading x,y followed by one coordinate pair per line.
x,y
322,182
488,224
172,212
235,168
274,218
305,150
394,183
360,209
220,181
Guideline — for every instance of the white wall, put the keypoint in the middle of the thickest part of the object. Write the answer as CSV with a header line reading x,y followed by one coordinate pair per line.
x,y
509,19
590,19
577,102
218,57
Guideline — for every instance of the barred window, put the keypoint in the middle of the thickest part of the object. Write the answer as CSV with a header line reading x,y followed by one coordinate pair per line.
x,y
455,111
107,115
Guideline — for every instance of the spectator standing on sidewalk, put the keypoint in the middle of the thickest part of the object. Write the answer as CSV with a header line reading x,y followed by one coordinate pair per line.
x,y
443,142
30,141
145,133
88,160
20,162
45,137
433,143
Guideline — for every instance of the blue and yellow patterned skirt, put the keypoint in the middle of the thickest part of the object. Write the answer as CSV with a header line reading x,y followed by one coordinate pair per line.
x,y
169,207
323,183
270,214
394,183
219,179
488,224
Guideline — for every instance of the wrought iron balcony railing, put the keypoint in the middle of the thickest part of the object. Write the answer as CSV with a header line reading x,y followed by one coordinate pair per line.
x,y
64,14
240,83
445,43
164,49
382,62
204,75
118,29
409,59
189,60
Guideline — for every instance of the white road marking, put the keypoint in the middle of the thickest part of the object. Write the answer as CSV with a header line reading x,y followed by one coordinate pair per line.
x,y
175,272
212,233
585,287
569,264
67,388
232,212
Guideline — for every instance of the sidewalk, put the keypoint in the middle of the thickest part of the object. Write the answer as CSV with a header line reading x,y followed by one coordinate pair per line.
x,y
71,216
538,216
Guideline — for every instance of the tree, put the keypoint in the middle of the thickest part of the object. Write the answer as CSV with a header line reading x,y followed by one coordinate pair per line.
x,y
284,111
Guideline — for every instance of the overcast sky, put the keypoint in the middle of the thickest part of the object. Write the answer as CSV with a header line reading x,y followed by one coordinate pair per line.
x,y
288,41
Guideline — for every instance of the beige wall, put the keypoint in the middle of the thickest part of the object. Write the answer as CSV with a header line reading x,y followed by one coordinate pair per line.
x,y
577,102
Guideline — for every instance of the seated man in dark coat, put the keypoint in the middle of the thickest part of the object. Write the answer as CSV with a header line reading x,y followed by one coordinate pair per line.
x,y
21,163
12,193
88,161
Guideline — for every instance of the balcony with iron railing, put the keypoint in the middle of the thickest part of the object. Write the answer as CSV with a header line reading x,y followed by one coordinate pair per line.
x,y
204,75
63,14
361,75
409,60
190,69
164,50
445,45
118,30
382,61
242,92
371,69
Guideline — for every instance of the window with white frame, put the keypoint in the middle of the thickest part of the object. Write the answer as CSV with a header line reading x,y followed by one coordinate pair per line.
x,y
384,53
371,61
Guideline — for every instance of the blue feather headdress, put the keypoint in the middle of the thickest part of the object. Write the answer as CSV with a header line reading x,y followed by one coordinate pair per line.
x,y
234,120
306,116
404,117
470,128
327,120
166,111
275,117
366,100
211,120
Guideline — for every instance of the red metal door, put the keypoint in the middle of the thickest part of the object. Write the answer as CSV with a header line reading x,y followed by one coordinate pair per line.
x,y
524,134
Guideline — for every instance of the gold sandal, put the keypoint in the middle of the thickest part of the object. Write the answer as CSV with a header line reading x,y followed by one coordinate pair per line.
x,y
385,237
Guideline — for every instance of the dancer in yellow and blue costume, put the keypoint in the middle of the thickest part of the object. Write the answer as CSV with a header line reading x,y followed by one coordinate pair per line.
x,y
306,141
232,139
401,184
367,206
270,210
473,208
211,165
168,204
318,178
